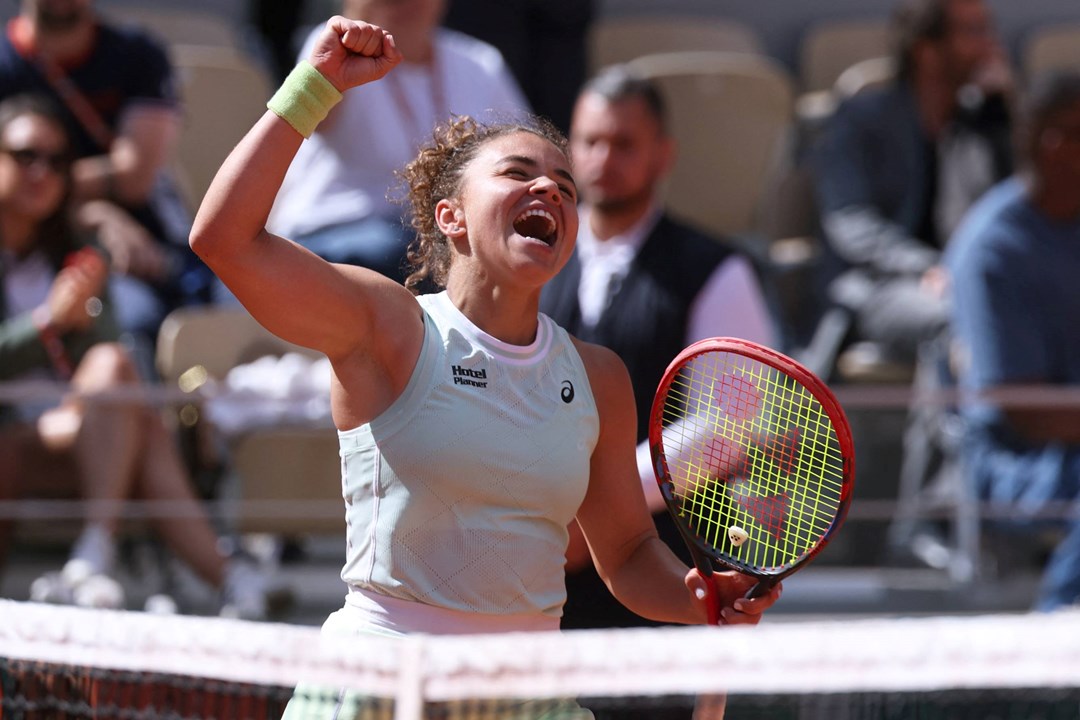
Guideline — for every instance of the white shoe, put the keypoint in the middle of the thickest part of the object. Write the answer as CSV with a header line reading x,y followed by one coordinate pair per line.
x,y
78,584
99,591
51,588
244,591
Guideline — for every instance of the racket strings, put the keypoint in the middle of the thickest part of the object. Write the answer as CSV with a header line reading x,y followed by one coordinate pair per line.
x,y
749,447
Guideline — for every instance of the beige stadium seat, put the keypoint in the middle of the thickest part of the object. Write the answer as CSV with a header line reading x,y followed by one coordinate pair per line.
x,y
175,25
731,115
621,39
863,75
292,471
827,50
224,91
1055,47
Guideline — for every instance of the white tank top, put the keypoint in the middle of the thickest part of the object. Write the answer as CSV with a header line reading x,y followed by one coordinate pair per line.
x,y
459,494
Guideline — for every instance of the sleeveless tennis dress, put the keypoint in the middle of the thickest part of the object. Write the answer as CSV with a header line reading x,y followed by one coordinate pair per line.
x,y
458,496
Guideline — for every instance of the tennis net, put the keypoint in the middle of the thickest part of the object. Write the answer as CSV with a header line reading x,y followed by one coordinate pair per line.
x,y
58,662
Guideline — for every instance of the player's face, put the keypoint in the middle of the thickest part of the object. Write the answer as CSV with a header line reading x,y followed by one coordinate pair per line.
x,y
517,208
33,167
620,151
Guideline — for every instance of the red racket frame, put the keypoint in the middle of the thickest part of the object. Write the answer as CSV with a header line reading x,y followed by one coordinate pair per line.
x,y
699,550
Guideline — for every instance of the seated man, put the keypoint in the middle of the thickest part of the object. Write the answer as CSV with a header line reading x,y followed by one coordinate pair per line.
x,y
1013,266
898,165
639,282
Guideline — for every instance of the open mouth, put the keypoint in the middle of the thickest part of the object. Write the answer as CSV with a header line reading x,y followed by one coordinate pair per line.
x,y
537,224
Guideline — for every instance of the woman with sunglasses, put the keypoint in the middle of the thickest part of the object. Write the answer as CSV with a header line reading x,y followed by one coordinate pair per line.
x,y
56,324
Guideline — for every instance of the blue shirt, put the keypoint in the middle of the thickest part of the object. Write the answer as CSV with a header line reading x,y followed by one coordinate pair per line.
x,y
1016,307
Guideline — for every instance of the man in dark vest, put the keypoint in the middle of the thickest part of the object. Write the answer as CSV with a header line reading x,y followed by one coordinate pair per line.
x,y
641,283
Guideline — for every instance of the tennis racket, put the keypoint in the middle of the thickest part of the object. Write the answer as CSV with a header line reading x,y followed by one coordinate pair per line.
x,y
754,459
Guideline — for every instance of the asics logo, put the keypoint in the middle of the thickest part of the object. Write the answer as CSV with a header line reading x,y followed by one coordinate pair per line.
x,y
567,393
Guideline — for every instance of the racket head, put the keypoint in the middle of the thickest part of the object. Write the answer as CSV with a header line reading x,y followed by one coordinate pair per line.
x,y
753,455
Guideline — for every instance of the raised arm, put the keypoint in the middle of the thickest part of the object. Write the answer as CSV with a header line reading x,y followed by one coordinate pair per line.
x,y
641,571
336,309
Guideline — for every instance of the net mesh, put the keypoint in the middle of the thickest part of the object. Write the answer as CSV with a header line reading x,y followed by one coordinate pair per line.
x,y
73,663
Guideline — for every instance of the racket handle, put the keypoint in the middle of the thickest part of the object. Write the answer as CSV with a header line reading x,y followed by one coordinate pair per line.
x,y
712,608
763,587
712,595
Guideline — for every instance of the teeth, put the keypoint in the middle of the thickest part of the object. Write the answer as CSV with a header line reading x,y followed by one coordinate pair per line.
x,y
544,216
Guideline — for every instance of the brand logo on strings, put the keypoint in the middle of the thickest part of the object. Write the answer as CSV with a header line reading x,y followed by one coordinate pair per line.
x,y
473,378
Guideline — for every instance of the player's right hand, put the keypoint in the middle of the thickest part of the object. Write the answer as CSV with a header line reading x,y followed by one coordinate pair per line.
x,y
351,52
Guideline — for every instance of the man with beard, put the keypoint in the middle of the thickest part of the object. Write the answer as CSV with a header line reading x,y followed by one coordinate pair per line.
x,y
900,164
116,86
641,283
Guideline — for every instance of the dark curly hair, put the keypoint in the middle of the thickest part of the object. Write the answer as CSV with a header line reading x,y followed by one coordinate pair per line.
x,y
435,174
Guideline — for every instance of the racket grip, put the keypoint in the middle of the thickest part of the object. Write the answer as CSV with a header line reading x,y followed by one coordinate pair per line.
x,y
712,595
763,587
712,608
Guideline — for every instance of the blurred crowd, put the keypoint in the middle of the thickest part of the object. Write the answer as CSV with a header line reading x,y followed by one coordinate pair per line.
x,y
940,237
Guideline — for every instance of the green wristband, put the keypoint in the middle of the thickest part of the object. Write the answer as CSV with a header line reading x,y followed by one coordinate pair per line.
x,y
304,99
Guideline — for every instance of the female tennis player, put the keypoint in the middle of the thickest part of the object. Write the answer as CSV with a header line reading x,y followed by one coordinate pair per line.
x,y
472,428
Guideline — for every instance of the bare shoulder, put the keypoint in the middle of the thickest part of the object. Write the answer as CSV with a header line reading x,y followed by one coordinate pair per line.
x,y
387,319
608,376
597,358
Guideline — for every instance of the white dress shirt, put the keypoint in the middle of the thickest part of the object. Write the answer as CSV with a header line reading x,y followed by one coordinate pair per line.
x,y
729,304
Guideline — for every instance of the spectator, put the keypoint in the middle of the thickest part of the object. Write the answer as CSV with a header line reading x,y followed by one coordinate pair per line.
x,y
276,22
900,164
639,282
334,198
56,323
119,99
523,29
1013,266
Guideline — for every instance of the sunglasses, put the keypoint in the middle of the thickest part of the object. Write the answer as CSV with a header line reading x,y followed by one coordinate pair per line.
x,y
28,157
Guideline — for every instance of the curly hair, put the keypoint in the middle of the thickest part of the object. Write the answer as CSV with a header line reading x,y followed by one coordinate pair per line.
x,y
436,173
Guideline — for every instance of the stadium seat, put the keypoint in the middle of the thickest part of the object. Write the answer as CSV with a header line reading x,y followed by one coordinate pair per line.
x,y
277,464
1053,47
827,49
224,92
618,39
731,116
177,26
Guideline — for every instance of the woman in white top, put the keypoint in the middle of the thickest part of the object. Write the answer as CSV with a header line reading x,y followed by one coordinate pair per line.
x,y
472,428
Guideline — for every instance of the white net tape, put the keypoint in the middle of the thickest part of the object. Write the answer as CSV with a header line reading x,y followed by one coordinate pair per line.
x,y
874,655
